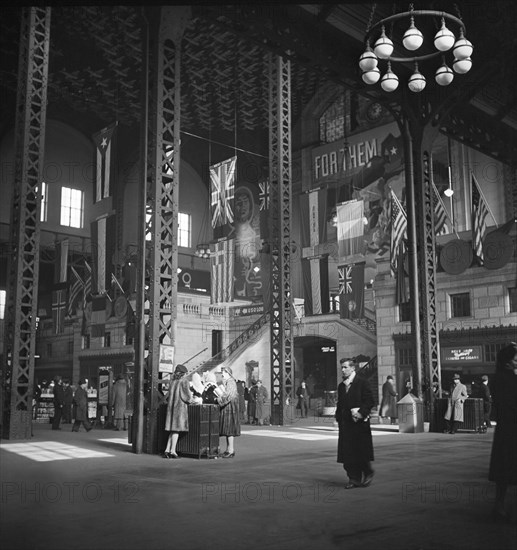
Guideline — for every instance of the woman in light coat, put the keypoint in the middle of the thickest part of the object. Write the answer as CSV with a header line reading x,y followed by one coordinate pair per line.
x,y
176,421
454,414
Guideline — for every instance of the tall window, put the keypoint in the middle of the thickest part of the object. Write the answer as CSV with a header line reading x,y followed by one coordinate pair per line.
x,y
184,229
460,305
512,294
72,206
44,202
2,303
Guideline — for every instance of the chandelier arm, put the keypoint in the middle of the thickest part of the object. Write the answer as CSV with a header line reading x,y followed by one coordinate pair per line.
x,y
414,13
414,59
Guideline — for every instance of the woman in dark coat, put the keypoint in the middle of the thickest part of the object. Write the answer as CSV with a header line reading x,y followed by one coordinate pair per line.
x,y
388,408
119,401
81,407
503,461
176,421
229,419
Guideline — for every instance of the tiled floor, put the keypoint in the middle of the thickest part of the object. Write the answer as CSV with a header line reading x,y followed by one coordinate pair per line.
x,y
283,490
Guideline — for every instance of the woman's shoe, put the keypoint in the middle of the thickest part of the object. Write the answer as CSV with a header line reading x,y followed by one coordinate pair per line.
x,y
226,454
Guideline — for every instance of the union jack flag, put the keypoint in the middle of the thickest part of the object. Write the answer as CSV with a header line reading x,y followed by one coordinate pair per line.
x,y
345,279
479,216
398,230
264,195
222,188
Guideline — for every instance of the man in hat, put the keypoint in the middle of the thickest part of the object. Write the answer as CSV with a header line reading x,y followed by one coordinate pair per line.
x,y
484,393
454,414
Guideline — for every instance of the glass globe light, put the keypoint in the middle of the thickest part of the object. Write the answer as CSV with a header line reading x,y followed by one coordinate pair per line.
x,y
390,81
444,39
462,48
412,38
383,47
444,75
462,66
372,76
416,82
368,60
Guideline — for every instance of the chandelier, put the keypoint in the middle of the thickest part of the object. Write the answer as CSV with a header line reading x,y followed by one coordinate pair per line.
x,y
203,251
387,36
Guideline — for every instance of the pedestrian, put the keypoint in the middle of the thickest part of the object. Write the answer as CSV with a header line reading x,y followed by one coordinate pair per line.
x,y
36,394
261,408
486,396
388,408
503,460
454,413
303,399
355,444
252,403
81,407
68,401
119,401
59,402
179,398
229,419
241,389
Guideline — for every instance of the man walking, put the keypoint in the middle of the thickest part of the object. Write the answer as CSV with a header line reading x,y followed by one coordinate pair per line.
x,y
484,393
355,444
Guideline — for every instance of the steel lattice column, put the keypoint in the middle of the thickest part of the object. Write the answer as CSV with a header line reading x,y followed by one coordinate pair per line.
x,y
22,290
421,138
280,178
161,251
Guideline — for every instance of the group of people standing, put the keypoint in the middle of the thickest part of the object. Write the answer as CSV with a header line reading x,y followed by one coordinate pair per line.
x,y
65,398
73,405
181,395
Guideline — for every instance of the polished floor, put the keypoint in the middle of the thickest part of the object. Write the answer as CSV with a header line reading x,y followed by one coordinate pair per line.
x,y
283,490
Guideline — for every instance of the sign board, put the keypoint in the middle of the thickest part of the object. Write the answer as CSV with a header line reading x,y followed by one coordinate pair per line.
x,y
461,354
166,358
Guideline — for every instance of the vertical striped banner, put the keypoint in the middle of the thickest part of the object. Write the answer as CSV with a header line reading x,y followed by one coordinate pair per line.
x,y
222,265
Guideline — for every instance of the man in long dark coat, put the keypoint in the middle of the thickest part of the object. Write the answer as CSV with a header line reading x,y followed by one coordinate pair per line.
x,y
355,444
59,402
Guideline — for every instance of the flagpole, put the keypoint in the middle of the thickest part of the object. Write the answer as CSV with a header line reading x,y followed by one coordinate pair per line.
x,y
473,179
445,209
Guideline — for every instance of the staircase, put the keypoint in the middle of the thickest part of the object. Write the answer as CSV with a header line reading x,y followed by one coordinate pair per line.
x,y
224,354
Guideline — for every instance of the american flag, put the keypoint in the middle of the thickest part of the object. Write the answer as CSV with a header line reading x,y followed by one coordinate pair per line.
x,y
103,141
115,283
398,230
76,287
222,188
87,283
222,263
440,213
479,216
264,195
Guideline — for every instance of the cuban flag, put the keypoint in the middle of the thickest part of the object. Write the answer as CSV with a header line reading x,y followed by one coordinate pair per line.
x,y
103,141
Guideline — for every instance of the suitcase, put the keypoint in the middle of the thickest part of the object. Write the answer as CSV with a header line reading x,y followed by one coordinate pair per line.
x,y
202,439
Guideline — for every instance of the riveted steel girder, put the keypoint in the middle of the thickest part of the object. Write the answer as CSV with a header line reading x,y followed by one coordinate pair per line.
x,y
22,289
281,191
